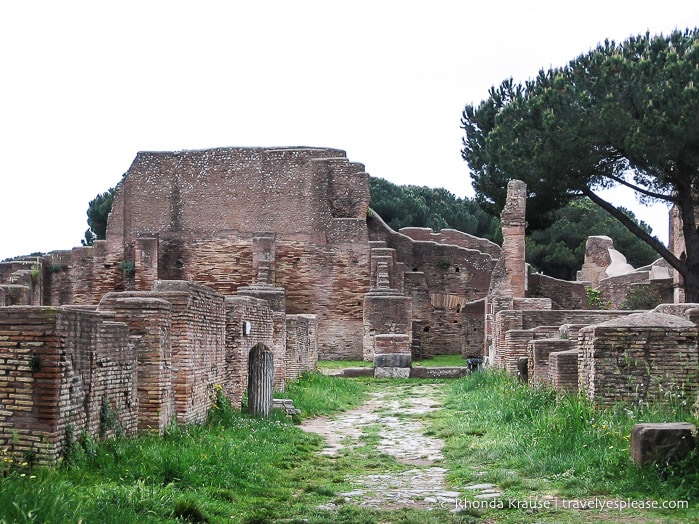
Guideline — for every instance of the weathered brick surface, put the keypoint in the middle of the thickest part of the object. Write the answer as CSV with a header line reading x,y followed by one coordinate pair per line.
x,y
643,357
538,352
384,314
241,337
615,289
517,319
444,274
58,367
198,345
453,237
563,370
208,207
392,356
149,323
563,294
301,345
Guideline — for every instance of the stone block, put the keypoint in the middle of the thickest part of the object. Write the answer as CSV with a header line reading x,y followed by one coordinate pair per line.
x,y
438,372
391,372
662,443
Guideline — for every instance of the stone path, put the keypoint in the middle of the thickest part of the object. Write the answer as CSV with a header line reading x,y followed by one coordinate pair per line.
x,y
421,486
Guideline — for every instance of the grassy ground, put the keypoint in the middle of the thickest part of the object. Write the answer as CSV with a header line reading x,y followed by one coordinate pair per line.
x,y
238,469
548,450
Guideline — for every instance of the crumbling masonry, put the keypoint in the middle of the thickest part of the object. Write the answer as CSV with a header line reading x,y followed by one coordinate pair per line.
x,y
212,253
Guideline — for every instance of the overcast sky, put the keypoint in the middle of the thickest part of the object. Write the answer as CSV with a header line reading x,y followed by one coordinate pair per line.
x,y
86,85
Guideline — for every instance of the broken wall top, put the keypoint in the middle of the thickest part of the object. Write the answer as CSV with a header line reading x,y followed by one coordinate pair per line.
x,y
295,192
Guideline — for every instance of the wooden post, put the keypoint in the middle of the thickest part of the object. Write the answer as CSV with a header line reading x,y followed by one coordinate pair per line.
x,y
260,380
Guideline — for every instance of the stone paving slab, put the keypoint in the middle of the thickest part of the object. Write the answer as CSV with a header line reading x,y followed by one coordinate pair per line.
x,y
402,437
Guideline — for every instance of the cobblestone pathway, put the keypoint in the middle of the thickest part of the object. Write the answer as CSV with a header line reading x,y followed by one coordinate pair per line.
x,y
423,484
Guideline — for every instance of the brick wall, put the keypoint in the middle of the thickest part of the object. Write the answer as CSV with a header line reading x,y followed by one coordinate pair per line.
x,y
563,370
538,352
198,345
615,289
445,275
563,293
454,237
301,345
643,357
149,323
207,207
240,339
385,313
59,367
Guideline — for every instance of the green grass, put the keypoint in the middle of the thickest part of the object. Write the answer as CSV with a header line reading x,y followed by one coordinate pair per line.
x,y
534,443
316,394
528,441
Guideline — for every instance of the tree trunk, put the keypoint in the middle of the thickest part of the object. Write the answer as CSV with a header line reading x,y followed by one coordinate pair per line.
x,y
687,202
260,380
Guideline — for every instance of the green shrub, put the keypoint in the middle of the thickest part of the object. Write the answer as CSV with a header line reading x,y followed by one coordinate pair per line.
x,y
641,296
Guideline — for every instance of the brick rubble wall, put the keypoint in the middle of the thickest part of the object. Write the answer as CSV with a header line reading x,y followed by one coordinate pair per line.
x,y
538,352
149,324
563,370
59,367
239,310
644,359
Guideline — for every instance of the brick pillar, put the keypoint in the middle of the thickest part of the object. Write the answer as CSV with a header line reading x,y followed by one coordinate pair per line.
x,y
509,278
513,230
146,260
149,323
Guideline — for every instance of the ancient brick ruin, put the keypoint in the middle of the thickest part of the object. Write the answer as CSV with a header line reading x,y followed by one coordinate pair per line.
x,y
613,356
212,253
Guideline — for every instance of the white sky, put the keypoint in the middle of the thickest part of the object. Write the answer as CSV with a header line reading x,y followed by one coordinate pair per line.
x,y
86,85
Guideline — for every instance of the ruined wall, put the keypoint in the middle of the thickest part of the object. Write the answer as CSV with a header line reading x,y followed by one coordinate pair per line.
x,y
196,321
249,321
149,322
639,358
444,279
453,237
516,343
614,290
62,371
133,363
539,353
82,275
301,345
563,370
198,346
506,354
563,293
20,281
206,208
